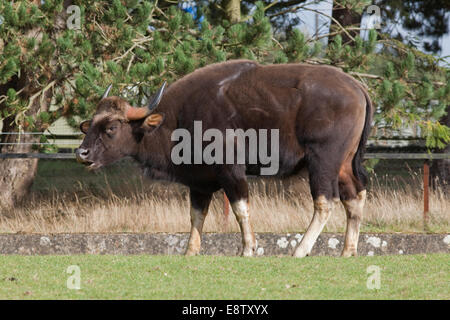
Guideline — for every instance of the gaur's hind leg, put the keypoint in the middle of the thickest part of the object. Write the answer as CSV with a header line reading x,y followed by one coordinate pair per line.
x,y
240,210
237,193
324,190
199,210
353,197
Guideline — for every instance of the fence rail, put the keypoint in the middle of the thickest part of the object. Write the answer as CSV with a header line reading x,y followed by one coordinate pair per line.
x,y
384,156
37,155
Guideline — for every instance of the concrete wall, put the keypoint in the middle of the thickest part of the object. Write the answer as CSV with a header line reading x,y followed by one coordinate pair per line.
x,y
216,244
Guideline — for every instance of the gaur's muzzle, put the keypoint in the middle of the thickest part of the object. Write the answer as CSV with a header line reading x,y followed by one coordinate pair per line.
x,y
81,155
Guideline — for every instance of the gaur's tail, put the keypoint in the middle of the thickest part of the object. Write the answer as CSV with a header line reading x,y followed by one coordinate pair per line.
x,y
358,169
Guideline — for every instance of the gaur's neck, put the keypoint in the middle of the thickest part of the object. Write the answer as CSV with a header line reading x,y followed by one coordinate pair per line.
x,y
153,153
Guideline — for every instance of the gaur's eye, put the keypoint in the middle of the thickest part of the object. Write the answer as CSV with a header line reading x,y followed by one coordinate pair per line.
x,y
110,130
112,127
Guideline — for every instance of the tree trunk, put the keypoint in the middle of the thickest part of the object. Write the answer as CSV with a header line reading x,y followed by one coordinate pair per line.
x,y
440,169
233,10
17,175
346,18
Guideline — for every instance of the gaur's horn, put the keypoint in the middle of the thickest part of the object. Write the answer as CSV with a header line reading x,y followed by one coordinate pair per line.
x,y
157,97
107,91
134,113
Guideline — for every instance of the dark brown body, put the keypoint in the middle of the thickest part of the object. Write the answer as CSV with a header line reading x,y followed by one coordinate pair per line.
x,y
323,116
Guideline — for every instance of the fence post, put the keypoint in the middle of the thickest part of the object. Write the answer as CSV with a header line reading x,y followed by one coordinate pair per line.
x,y
226,206
426,199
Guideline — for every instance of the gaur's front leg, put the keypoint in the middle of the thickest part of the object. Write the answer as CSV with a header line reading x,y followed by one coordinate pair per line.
x,y
199,210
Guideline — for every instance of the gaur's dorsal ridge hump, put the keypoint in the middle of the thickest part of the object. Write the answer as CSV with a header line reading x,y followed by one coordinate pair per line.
x,y
219,71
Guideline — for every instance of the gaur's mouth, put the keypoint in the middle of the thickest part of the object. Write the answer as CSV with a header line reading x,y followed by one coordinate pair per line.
x,y
90,165
93,165
83,161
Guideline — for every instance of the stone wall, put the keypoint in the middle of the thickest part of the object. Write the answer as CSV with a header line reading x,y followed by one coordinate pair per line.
x,y
269,244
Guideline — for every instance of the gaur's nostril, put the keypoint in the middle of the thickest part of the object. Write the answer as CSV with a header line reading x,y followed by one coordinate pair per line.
x,y
82,153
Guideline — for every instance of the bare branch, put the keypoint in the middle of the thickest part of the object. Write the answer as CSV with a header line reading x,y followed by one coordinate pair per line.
x,y
334,20
293,9
365,75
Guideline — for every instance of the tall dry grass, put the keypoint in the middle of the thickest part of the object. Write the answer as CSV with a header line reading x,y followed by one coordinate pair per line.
x,y
394,205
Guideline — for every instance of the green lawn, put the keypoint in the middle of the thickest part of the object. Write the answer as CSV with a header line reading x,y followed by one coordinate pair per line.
x,y
214,277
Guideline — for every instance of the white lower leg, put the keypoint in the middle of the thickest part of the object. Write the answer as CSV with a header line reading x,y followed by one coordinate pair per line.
x,y
322,210
354,211
240,209
197,220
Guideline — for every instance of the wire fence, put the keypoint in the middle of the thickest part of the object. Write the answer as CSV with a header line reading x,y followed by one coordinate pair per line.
x,y
58,138
384,156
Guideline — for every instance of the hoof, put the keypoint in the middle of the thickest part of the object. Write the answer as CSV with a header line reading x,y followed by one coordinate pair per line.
x,y
300,253
191,253
249,252
346,254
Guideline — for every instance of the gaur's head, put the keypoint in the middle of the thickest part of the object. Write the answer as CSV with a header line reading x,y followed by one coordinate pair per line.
x,y
116,129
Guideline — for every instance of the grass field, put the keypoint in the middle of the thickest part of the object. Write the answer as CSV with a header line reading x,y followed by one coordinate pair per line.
x,y
217,277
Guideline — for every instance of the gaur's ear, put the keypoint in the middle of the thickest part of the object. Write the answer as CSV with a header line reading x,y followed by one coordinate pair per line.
x,y
154,120
84,126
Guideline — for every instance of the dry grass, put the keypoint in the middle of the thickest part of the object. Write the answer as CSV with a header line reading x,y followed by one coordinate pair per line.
x,y
394,205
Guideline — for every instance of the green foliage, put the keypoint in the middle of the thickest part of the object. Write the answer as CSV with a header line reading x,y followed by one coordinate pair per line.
x,y
47,146
437,135
408,64
371,43
8,70
297,48
335,49
389,72
116,45
370,165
